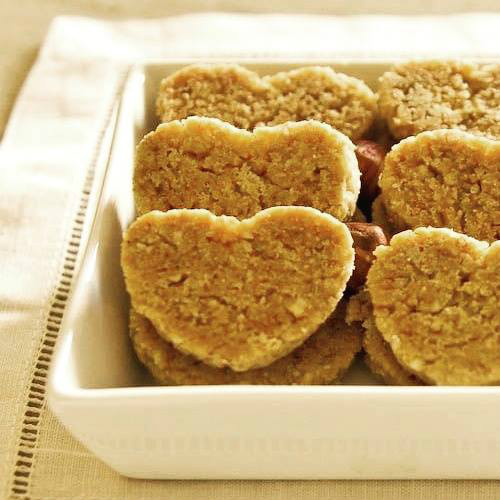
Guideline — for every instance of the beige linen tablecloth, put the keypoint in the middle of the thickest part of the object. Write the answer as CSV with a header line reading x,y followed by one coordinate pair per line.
x,y
47,162
25,23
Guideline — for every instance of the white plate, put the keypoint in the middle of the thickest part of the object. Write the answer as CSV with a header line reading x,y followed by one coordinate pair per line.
x,y
106,400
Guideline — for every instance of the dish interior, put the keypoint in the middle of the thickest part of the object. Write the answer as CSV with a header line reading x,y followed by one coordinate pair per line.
x,y
99,353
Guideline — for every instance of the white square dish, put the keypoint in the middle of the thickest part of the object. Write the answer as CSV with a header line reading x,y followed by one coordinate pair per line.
x,y
358,431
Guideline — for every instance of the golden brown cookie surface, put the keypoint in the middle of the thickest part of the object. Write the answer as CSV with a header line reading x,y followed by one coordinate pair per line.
x,y
321,359
426,95
378,355
380,217
237,294
239,96
435,296
206,163
444,178
381,360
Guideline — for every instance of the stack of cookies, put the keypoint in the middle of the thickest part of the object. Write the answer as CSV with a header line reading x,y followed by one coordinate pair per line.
x,y
431,307
248,260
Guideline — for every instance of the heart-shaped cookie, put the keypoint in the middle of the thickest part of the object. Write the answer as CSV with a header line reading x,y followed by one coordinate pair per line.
x,y
241,97
206,163
237,294
444,178
321,359
428,95
436,296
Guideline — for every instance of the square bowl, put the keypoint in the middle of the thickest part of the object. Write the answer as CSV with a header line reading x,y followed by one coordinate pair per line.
x,y
358,430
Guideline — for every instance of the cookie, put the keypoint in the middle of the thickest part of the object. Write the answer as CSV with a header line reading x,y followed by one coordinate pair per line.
x,y
206,163
444,178
378,354
237,293
380,217
241,97
427,95
436,296
321,359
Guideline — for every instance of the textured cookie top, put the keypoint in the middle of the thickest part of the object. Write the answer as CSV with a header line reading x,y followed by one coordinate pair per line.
x,y
427,95
241,97
436,296
237,294
444,178
321,359
207,163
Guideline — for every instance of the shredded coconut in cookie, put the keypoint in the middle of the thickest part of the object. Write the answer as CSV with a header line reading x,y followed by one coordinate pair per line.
x,y
237,294
427,95
239,96
444,178
206,163
436,296
378,354
321,359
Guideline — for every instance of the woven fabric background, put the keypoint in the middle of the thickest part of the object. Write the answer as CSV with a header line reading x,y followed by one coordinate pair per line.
x,y
49,152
